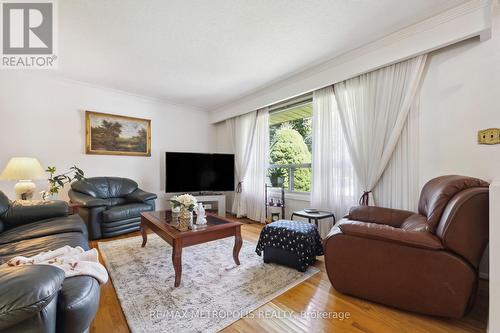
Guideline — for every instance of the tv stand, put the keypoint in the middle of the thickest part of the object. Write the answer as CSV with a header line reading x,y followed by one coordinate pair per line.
x,y
220,199
205,193
211,197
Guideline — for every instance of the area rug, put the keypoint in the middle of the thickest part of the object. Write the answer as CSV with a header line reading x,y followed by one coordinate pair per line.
x,y
214,291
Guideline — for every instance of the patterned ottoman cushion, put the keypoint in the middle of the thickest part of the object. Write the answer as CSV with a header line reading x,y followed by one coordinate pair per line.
x,y
295,237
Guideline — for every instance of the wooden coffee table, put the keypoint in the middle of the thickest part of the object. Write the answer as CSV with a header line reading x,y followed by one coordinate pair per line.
x,y
217,228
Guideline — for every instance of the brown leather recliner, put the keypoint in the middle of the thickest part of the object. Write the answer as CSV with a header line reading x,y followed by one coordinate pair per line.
x,y
426,262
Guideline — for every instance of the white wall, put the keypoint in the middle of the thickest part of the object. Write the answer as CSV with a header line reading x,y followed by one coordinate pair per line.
x,y
223,145
43,117
461,95
222,140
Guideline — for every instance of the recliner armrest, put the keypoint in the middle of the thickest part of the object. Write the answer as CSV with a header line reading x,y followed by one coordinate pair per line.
x,y
27,290
380,215
22,212
141,196
86,200
422,239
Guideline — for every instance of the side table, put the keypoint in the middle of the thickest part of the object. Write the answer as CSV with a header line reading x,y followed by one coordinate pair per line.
x,y
314,216
73,207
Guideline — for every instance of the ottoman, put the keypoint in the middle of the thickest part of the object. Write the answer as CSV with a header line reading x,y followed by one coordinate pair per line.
x,y
291,243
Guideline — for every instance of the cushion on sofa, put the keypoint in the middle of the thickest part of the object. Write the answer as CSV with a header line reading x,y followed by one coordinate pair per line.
x,y
22,212
105,187
122,212
43,228
34,246
115,201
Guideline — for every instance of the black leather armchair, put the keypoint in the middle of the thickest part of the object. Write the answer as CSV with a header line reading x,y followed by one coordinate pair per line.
x,y
38,298
111,206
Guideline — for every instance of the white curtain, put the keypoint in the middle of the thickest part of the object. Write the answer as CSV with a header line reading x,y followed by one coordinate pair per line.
x,y
257,170
373,109
334,184
399,186
241,131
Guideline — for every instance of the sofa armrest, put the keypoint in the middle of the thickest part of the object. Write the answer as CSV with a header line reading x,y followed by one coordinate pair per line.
x,y
422,239
141,196
22,212
380,215
86,200
27,290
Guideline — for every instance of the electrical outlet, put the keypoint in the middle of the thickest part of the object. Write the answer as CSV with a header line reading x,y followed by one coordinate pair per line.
x,y
490,136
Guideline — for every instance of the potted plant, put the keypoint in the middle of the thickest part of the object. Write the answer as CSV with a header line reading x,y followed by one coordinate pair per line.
x,y
57,182
186,204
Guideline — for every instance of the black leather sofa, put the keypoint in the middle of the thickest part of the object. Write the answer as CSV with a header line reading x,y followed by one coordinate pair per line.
x,y
111,206
37,298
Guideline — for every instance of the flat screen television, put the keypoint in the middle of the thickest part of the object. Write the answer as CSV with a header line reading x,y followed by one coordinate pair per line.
x,y
192,172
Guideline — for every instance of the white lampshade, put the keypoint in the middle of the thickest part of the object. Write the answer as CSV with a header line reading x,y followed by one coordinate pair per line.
x,y
23,168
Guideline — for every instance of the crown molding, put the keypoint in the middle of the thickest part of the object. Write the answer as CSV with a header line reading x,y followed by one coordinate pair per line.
x,y
146,98
58,77
470,19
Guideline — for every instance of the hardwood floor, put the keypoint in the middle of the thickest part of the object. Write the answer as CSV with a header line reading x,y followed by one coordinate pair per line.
x,y
312,296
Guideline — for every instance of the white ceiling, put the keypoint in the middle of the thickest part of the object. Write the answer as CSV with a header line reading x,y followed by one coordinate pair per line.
x,y
207,53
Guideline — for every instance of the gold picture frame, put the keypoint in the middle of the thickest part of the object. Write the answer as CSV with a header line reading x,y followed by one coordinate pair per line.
x,y
104,135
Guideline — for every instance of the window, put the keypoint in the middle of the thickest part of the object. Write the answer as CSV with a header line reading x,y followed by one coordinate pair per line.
x,y
290,129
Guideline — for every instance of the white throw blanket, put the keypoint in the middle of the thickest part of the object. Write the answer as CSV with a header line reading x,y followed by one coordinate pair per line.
x,y
72,260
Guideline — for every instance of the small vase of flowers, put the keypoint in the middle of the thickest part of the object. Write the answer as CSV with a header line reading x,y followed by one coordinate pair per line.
x,y
186,204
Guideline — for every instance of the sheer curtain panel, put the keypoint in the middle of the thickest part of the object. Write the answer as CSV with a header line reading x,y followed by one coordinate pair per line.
x,y
373,109
334,185
257,170
241,131
399,186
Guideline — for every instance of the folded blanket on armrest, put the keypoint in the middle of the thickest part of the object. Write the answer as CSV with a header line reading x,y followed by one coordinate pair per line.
x,y
72,260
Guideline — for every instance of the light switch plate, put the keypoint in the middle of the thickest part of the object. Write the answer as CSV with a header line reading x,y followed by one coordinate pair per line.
x,y
490,136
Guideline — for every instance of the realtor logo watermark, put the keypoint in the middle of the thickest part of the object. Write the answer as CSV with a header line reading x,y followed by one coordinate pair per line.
x,y
28,34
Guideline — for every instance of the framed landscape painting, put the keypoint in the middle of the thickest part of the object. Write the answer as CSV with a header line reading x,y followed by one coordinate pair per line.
x,y
108,134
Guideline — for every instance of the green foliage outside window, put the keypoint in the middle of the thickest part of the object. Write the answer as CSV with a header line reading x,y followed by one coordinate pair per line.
x,y
288,146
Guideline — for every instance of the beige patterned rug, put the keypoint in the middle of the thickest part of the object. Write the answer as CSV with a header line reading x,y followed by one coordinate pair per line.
x,y
214,292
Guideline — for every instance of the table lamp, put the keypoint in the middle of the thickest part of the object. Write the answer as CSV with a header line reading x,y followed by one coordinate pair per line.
x,y
24,170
